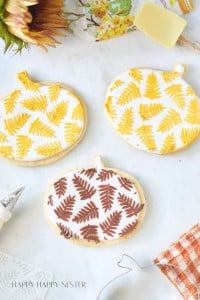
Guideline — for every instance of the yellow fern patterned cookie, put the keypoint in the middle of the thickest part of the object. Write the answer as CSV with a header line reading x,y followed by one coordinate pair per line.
x,y
153,110
40,122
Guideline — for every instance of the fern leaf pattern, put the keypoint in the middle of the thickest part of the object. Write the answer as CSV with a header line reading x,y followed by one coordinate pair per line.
x,y
110,225
193,115
85,190
3,137
90,233
65,209
125,183
176,94
189,135
132,92
128,229
145,133
152,87
10,102
6,151
72,132
125,126
66,232
170,76
129,205
35,103
148,111
49,149
107,192
90,211
58,113
24,144
54,92
89,172
13,125
40,129
171,119
78,113
117,83
136,75
169,144
105,175
110,108
60,187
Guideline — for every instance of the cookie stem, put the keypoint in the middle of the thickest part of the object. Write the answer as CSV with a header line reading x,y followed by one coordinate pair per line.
x,y
99,162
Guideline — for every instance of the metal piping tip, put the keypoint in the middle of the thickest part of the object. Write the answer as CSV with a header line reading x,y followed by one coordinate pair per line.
x,y
9,201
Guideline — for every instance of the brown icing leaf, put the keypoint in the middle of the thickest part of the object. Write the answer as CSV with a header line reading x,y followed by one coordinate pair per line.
x,y
90,211
90,233
89,172
60,186
129,205
105,175
125,183
128,229
85,190
64,210
107,192
66,232
112,222
50,201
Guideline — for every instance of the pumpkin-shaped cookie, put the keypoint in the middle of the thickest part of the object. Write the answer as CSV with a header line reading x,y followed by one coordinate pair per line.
x,y
94,206
155,111
40,122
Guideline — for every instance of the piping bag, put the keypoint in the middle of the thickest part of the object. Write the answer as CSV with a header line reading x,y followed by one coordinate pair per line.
x,y
7,204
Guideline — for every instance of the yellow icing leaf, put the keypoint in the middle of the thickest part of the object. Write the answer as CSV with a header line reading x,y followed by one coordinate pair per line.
x,y
6,151
78,113
110,107
170,76
58,113
193,116
125,126
145,133
189,135
190,92
16,123
169,144
49,149
54,92
27,82
136,75
23,145
175,93
35,103
148,111
11,101
72,132
130,93
169,121
152,90
3,138
40,129
116,84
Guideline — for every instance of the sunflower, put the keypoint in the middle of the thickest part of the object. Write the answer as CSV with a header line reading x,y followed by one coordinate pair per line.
x,y
24,22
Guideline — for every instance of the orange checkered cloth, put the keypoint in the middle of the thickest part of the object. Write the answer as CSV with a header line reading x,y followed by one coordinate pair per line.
x,y
181,263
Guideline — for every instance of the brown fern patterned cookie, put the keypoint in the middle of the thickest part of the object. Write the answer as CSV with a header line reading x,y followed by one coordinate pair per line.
x,y
40,122
96,205
155,111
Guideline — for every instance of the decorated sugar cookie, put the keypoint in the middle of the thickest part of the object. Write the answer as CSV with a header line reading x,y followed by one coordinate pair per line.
x,y
97,205
155,111
40,122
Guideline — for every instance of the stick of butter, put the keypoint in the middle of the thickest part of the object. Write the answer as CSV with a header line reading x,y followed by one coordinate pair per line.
x,y
160,24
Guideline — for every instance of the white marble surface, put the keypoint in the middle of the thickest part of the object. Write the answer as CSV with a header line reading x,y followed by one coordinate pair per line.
x,y
171,183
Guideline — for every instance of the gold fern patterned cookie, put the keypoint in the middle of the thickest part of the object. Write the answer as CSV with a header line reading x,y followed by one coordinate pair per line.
x,y
95,206
155,111
40,122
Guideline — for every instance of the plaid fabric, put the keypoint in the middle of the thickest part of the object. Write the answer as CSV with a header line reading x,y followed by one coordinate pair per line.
x,y
183,260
